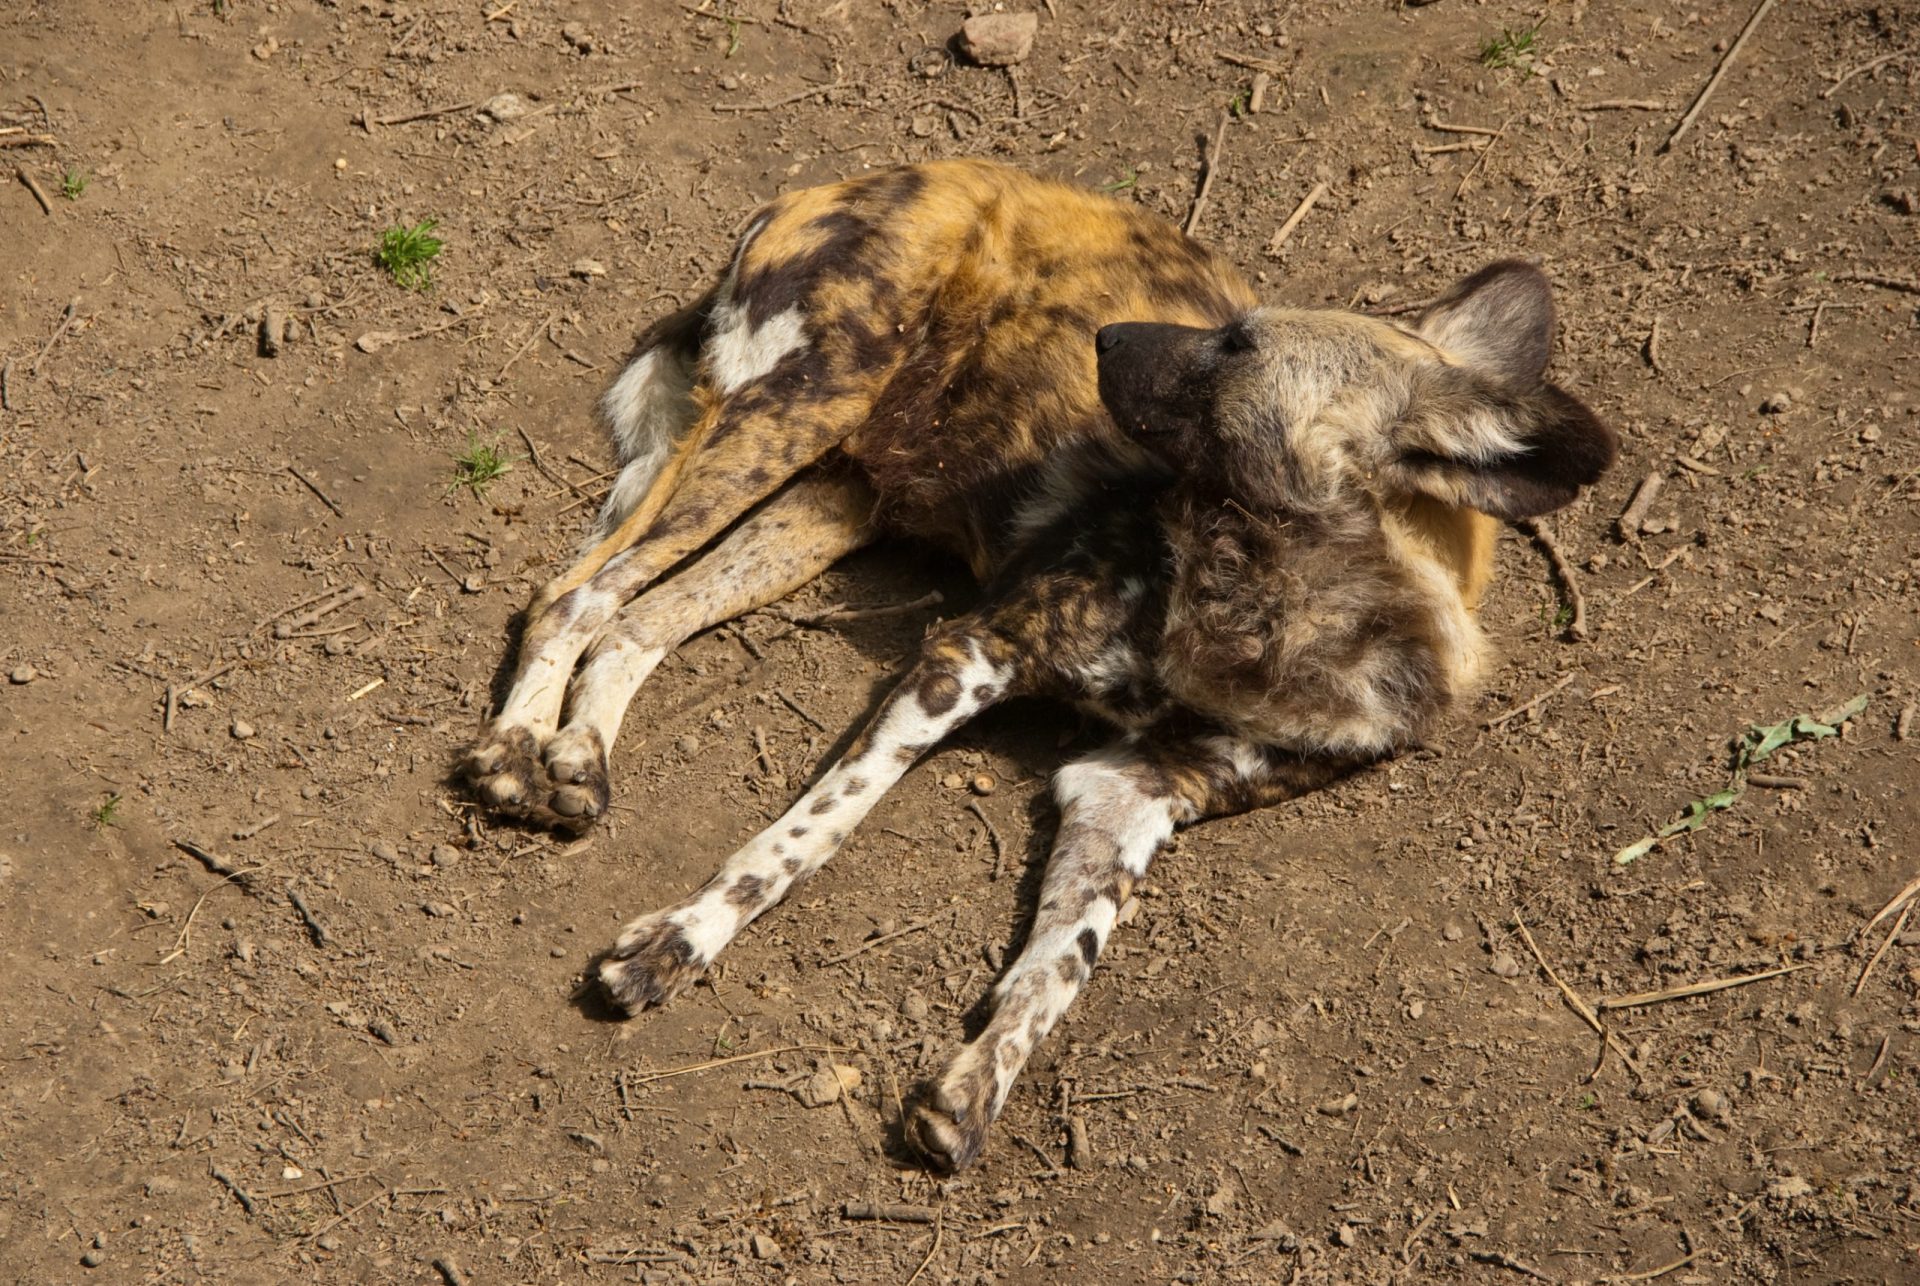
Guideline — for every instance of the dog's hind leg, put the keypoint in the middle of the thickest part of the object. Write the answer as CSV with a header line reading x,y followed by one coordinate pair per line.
x,y
808,525
738,453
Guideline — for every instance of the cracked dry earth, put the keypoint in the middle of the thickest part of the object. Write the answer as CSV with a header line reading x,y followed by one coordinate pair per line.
x,y
245,608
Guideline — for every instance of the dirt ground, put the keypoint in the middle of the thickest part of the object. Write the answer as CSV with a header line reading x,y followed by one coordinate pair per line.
x,y
1322,1050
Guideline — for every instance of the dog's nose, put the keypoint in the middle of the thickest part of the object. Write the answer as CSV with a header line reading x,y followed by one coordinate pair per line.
x,y
1107,337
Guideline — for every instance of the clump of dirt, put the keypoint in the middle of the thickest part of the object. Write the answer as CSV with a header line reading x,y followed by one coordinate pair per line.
x,y
283,1005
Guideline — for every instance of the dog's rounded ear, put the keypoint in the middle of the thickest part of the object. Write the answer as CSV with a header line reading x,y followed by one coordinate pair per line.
x,y
1510,450
1499,321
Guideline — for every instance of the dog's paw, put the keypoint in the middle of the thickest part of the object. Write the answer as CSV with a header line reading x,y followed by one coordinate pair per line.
x,y
562,787
504,767
576,789
651,964
947,1124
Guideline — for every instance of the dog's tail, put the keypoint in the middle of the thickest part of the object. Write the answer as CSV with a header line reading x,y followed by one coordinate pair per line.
x,y
650,412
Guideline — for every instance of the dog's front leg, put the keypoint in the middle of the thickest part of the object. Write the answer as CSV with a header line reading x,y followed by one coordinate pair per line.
x,y
1115,812
961,671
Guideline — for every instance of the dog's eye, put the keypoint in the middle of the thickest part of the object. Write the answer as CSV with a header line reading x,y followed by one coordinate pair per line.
x,y
1236,339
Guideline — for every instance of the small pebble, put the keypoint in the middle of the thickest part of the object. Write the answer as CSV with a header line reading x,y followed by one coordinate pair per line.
x,y
687,745
999,39
340,163
445,855
23,674
765,1247
242,730
586,268
1776,404
384,851
1504,965
953,781
438,910
1711,1104
94,1258
558,953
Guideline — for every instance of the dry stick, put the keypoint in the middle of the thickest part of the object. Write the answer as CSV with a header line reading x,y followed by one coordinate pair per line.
x,y
240,1193
999,849
1641,998
1500,1259
1861,70
1481,159
181,942
314,487
522,351
1624,105
39,195
533,454
1307,203
1653,347
1713,82
1880,279
1563,570
853,612
326,1228
883,939
1579,1006
939,1230
6,386
175,689
651,1077
1911,890
287,629
66,321
1636,510
1213,168
1661,1271
1446,128
1903,726
800,97
1898,925
788,701
1768,781
321,937
1517,711
888,1212
1251,64
407,118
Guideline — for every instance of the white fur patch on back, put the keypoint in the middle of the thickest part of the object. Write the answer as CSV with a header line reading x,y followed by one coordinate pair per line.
x,y
738,354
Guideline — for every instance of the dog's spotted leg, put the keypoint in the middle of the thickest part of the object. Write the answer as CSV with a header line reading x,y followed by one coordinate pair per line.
x,y
1117,807
795,536
960,672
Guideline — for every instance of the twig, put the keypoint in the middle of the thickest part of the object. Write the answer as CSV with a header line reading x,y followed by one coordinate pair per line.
x,y
66,322
1501,1260
14,138
407,118
1713,82
1636,510
939,1230
884,938
1447,149
1624,105
1653,347
1664,1269
1519,710
6,386
352,594
175,689
1861,70
710,1064
375,340
1909,891
1768,781
791,704
999,849
240,1194
46,206
800,97
1641,998
1892,936
533,454
520,352
181,942
321,937
1481,159
888,1212
326,1228
211,860
1573,999
1251,64
1880,279
1446,128
450,1271
314,487
1307,203
1213,168
1563,570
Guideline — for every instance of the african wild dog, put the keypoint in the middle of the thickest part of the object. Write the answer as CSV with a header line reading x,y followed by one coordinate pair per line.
x,y
1251,538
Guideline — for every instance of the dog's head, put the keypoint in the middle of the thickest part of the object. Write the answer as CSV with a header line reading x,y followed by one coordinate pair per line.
x,y
1304,409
